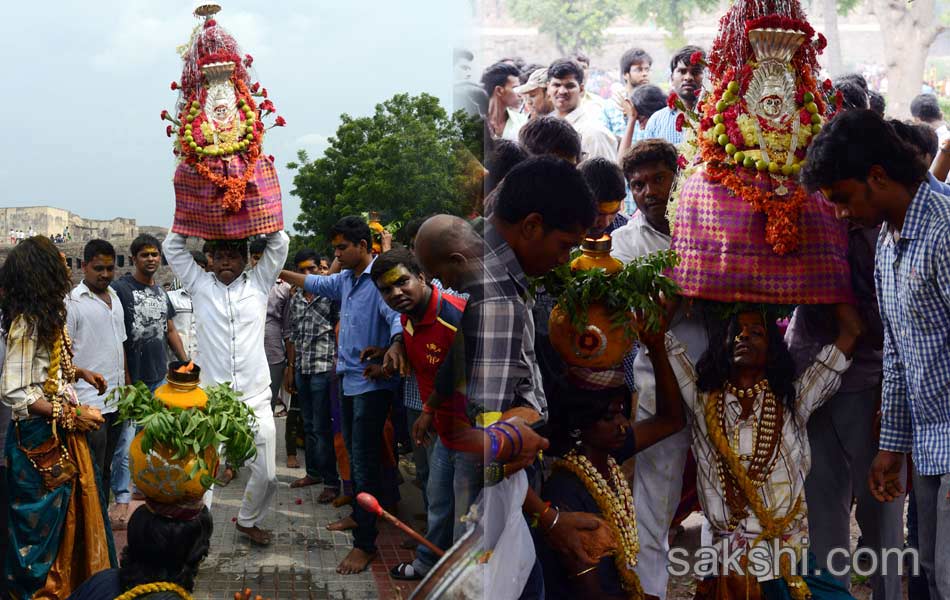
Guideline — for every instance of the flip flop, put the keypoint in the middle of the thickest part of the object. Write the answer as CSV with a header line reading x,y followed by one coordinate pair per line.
x,y
305,481
405,572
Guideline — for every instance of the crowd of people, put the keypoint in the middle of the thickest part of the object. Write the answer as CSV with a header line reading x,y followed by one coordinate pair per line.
x,y
443,341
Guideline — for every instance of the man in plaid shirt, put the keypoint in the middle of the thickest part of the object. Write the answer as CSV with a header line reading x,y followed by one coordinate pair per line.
x,y
874,178
543,209
311,351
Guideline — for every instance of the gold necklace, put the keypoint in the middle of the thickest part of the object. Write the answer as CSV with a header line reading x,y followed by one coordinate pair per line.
x,y
616,505
150,588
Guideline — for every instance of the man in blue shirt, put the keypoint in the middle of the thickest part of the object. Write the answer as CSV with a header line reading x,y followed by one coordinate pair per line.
x,y
686,79
874,177
367,324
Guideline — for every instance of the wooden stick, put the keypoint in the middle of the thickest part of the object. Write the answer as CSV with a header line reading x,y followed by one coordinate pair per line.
x,y
370,504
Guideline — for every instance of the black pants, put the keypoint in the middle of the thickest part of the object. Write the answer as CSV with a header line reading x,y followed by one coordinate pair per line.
x,y
102,444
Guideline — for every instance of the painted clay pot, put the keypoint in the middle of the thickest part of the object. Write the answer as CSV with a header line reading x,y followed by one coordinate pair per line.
x,y
602,344
166,479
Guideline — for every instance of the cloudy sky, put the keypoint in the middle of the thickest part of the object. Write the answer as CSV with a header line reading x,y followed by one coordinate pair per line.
x,y
86,81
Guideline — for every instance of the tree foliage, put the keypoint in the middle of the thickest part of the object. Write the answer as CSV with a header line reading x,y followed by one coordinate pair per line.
x,y
671,15
406,161
574,24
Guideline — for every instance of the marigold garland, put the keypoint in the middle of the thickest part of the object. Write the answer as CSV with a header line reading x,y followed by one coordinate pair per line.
x,y
773,528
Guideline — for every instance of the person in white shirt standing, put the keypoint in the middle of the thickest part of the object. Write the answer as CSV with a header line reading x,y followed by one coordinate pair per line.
x,y
230,307
650,168
184,318
566,89
96,323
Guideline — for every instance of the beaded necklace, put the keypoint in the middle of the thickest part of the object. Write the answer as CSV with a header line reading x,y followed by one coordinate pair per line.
x,y
745,492
616,505
151,588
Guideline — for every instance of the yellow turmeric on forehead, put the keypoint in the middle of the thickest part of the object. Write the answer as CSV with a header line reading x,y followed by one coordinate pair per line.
x,y
392,275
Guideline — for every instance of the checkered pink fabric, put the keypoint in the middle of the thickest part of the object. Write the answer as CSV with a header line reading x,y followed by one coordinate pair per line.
x,y
724,256
198,210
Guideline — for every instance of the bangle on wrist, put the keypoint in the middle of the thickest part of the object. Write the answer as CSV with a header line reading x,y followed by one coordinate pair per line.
x,y
517,432
502,431
557,515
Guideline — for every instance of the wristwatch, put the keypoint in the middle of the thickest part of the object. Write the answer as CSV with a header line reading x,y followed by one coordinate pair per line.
x,y
396,338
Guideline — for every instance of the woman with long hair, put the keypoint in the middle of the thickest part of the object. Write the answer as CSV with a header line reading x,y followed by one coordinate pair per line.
x,y
750,440
58,532
160,561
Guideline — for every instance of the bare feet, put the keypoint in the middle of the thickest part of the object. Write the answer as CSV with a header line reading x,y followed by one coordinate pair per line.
x,y
292,461
344,524
355,562
305,481
119,517
328,495
226,477
258,536
342,501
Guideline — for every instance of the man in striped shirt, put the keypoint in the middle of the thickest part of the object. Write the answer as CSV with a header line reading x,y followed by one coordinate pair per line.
x,y
873,178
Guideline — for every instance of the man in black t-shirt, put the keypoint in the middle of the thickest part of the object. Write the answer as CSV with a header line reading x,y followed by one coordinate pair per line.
x,y
148,325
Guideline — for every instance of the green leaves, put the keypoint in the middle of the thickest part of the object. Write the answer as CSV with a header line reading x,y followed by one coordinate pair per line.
x,y
224,420
575,25
636,286
405,161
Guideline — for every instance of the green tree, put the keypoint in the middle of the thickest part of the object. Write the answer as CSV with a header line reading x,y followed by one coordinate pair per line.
x,y
406,161
671,15
574,24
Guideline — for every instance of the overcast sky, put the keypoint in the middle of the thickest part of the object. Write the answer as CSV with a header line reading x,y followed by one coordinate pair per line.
x,y
85,83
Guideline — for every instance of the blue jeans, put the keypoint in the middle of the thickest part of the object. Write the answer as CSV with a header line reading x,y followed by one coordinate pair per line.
x,y
121,480
440,519
313,397
364,418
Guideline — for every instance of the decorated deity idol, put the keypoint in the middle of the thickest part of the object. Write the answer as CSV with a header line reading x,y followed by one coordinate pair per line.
x,y
225,187
743,227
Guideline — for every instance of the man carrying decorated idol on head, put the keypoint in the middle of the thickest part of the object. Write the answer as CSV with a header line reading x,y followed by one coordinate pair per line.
x,y
751,241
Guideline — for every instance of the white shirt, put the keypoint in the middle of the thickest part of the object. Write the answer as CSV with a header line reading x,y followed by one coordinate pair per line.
x,y
229,319
98,332
184,321
596,140
635,239
513,125
786,481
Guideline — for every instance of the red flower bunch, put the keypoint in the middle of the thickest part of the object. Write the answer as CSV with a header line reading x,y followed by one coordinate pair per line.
x,y
164,115
279,121
270,157
267,106
174,85
210,23
248,60
681,162
827,85
697,58
680,121
821,43
671,100
168,131
264,92
779,22
255,87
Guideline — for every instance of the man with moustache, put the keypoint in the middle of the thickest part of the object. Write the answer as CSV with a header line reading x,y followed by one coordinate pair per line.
x,y
534,92
650,168
96,325
686,79
566,89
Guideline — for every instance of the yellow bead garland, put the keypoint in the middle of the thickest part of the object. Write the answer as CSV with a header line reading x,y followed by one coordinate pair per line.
x,y
151,588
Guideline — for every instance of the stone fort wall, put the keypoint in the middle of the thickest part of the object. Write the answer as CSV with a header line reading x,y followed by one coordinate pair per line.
x,y
47,221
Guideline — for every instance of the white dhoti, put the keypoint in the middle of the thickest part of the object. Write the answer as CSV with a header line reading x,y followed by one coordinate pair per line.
x,y
657,486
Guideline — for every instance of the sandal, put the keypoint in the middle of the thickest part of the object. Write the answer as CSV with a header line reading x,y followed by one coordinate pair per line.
x,y
405,572
305,481
328,495
292,461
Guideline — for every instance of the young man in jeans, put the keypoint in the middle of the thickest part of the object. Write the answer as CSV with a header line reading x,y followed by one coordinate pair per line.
x,y
430,317
311,350
366,326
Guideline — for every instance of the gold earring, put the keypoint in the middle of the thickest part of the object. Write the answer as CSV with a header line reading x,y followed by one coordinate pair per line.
x,y
737,339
